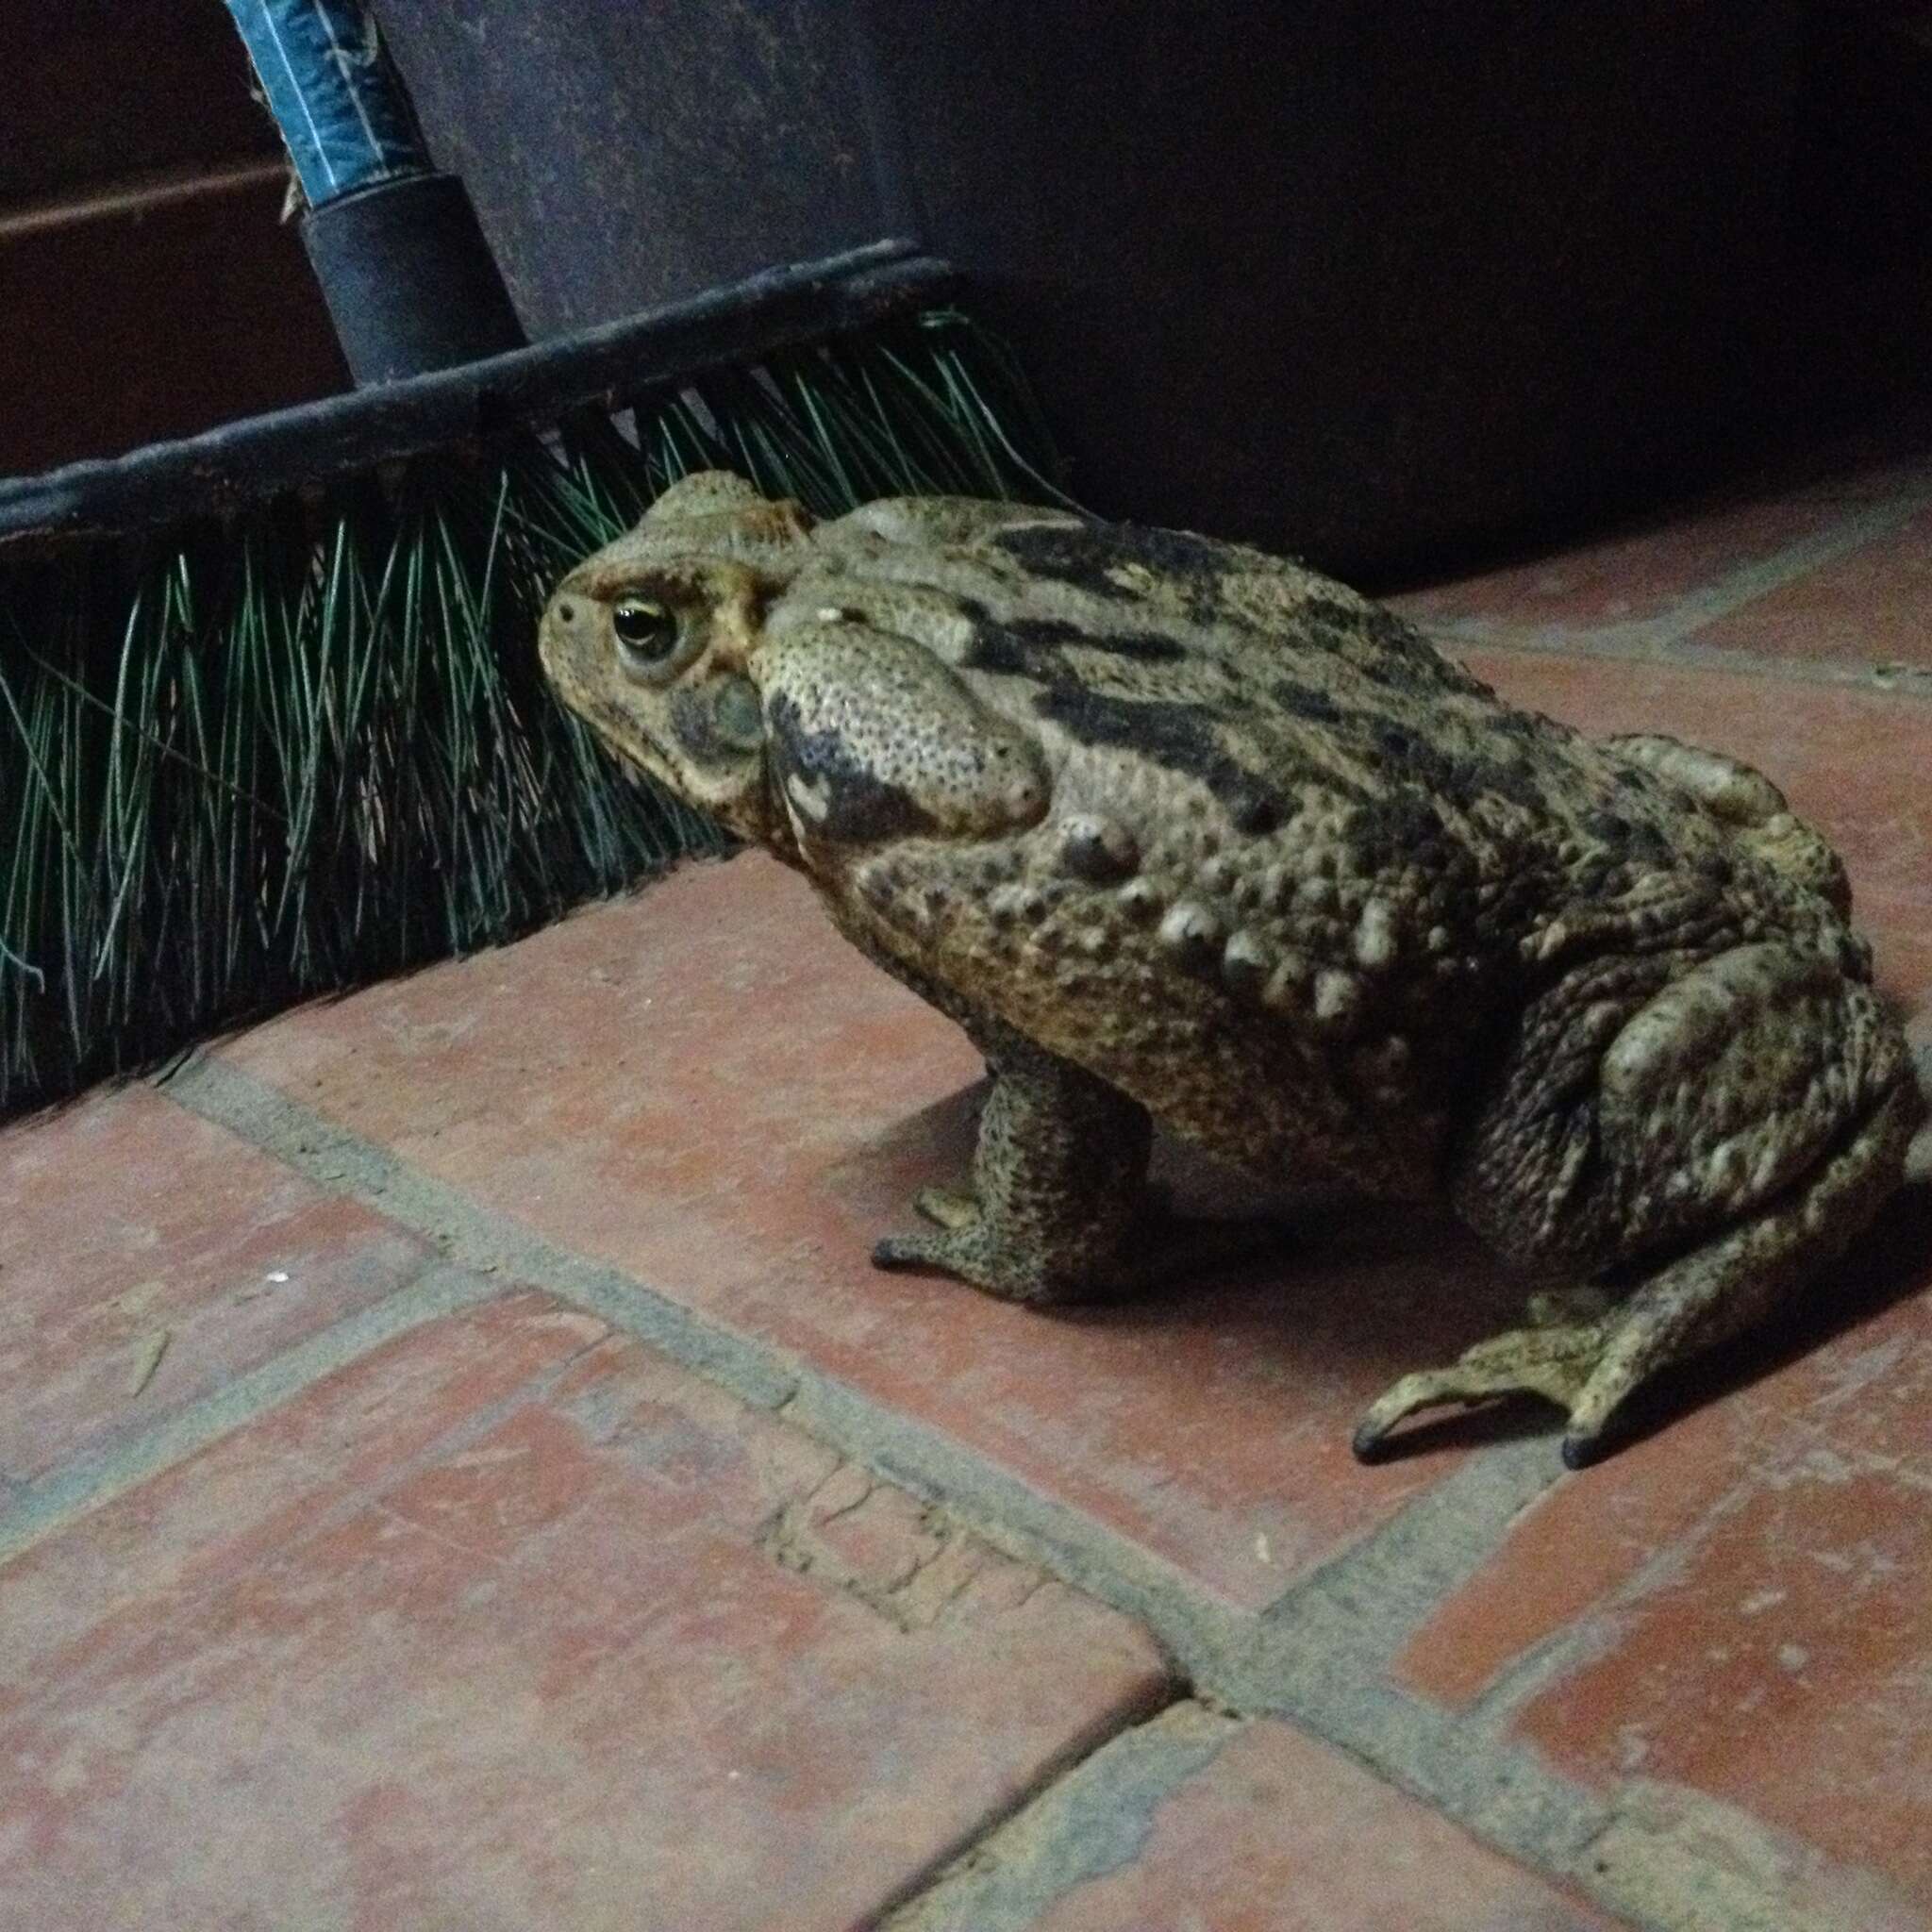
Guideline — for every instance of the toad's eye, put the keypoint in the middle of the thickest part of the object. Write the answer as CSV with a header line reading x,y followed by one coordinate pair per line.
x,y
646,632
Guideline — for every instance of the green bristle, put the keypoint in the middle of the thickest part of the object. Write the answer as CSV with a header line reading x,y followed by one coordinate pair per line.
x,y
293,754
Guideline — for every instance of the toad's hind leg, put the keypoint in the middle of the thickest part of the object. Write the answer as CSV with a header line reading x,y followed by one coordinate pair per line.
x,y
1692,1302
1726,1286
1742,1125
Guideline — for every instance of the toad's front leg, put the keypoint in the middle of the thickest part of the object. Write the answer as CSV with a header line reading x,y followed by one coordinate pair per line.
x,y
1057,1207
1059,1199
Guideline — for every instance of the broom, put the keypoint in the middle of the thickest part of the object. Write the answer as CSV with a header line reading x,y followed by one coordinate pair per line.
x,y
271,718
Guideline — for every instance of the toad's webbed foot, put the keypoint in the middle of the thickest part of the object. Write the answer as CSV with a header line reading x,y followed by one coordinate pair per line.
x,y
975,1253
1554,1356
949,1207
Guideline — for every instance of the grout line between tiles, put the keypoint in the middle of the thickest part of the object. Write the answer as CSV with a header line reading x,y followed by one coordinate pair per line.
x,y
48,1504
1635,644
1761,577
1316,1657
1668,637
987,1842
468,1235
1093,1821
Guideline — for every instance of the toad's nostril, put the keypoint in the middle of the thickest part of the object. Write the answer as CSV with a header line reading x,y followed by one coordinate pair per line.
x,y
567,612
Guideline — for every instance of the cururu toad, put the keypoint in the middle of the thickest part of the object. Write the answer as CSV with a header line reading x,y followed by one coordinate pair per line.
x,y
1177,830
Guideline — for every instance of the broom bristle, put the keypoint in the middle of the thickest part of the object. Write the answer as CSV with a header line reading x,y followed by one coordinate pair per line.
x,y
296,754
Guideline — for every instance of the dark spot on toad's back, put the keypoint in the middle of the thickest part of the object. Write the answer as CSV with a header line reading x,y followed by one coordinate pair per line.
x,y
1626,837
1332,623
1365,622
1004,655
1052,633
1416,675
1178,736
1037,646
1385,648
1089,555
1455,777
1253,811
861,808
1523,725
1304,701
1142,647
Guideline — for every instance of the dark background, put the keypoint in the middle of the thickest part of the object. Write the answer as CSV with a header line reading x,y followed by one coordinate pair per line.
x,y
1376,283
147,285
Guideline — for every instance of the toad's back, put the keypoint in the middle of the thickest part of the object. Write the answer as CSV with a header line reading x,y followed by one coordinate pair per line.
x,y
1297,868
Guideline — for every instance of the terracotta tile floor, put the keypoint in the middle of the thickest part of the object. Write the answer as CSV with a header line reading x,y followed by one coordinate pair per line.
x,y
457,1468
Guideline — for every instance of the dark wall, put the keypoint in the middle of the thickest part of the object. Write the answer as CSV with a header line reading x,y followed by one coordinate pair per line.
x,y
1358,278
148,287
1364,280
1370,280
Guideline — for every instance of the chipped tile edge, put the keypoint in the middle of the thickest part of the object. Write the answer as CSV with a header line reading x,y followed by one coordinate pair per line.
x,y
1088,1824
1688,1862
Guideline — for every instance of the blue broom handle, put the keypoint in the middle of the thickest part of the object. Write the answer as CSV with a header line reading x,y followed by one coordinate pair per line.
x,y
335,96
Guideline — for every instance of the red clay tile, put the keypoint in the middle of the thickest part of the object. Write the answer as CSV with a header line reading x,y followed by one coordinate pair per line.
x,y
1784,1668
153,1553
1742,1605
726,1101
1870,607
539,1672
1278,1833
1645,572
123,1218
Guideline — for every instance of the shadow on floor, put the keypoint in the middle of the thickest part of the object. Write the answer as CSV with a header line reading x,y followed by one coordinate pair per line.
x,y
1359,1288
